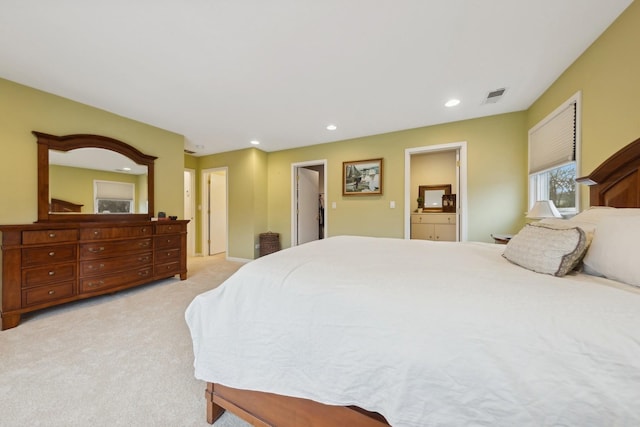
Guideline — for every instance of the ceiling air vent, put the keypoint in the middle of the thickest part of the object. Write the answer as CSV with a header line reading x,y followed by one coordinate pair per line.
x,y
495,96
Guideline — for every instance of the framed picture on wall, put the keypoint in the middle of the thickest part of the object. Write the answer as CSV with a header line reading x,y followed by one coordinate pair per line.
x,y
362,177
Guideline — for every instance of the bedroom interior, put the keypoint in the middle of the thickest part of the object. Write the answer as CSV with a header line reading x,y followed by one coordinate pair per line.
x,y
259,188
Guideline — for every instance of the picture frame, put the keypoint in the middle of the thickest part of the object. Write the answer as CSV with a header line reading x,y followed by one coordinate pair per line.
x,y
449,203
362,177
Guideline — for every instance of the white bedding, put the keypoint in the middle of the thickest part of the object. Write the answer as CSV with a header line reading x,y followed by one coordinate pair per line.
x,y
425,333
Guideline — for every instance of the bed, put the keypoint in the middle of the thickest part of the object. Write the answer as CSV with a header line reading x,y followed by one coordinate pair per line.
x,y
365,331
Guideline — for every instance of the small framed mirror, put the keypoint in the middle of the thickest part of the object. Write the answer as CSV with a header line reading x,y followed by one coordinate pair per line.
x,y
432,196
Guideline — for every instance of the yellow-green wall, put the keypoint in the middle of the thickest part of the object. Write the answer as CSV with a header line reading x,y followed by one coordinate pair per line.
x,y
608,74
496,149
247,194
23,109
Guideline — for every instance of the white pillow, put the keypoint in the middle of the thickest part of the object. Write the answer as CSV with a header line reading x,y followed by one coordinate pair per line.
x,y
544,249
595,214
614,250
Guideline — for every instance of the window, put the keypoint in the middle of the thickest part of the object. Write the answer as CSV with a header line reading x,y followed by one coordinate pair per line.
x,y
113,197
553,153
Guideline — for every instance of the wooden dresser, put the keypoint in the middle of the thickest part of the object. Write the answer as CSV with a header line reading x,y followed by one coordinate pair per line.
x,y
46,264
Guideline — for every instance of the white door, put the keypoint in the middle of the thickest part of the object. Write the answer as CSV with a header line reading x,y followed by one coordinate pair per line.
x,y
308,205
218,212
189,210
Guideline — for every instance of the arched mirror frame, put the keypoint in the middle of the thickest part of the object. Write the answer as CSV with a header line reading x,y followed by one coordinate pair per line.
x,y
48,142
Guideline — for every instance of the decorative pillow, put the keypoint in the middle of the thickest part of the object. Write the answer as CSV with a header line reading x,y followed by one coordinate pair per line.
x,y
545,249
614,250
588,227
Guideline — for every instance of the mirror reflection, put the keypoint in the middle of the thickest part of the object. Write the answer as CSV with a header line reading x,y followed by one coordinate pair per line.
x,y
96,180
432,196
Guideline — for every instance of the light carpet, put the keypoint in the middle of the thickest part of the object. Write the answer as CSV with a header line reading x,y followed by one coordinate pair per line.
x,y
118,360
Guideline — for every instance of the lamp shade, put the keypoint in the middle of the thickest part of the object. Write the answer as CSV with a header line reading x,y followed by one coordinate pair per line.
x,y
544,209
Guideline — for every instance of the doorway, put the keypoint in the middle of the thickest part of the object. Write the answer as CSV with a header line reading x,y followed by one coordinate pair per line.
x,y
308,195
190,209
459,149
214,211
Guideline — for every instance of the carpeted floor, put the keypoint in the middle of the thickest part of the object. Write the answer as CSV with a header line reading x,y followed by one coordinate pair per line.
x,y
118,360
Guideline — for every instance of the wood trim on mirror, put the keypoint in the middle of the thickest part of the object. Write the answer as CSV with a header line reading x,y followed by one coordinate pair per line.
x,y
446,188
71,142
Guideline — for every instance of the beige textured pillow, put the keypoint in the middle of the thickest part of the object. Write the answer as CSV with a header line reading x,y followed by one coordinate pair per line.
x,y
546,249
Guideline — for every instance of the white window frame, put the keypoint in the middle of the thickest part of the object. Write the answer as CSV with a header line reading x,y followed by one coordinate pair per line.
x,y
537,189
126,193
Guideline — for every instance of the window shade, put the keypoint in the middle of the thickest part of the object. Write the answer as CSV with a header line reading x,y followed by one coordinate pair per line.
x,y
553,142
114,190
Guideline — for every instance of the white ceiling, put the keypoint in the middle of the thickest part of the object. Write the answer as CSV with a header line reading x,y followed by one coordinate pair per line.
x,y
224,72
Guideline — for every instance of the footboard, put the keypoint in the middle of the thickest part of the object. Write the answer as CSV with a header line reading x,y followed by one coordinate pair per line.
x,y
271,410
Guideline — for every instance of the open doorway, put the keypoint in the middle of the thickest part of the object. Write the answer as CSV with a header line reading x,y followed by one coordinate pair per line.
x,y
459,150
214,211
308,195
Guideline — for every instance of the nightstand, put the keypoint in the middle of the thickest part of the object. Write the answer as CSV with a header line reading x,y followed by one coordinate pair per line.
x,y
501,239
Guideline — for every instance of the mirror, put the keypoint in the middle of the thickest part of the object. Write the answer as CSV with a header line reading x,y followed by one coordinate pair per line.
x,y
432,196
70,166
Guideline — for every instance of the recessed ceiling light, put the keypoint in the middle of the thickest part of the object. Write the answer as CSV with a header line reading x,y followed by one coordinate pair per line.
x,y
126,169
452,103
332,127
255,142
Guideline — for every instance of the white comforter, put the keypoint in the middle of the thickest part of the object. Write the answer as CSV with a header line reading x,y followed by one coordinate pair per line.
x,y
426,333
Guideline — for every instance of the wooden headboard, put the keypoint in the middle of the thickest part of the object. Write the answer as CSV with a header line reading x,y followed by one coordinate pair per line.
x,y
616,182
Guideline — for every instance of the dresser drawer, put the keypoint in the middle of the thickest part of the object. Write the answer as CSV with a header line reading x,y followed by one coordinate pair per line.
x,y
99,233
106,281
48,274
166,270
166,255
45,293
110,249
49,236
168,241
48,255
170,228
108,265
433,218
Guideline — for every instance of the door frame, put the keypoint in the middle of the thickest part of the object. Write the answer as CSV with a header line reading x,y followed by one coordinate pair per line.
x,y
204,225
294,197
191,226
461,203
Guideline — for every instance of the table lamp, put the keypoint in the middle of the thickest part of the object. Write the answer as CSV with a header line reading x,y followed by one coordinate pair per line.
x,y
543,209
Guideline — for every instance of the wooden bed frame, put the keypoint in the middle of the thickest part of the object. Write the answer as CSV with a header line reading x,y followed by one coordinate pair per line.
x,y
616,183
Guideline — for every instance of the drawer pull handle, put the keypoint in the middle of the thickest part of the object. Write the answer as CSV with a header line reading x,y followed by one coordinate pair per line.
x,y
51,273
144,244
144,230
168,253
143,259
99,266
168,240
51,292
52,235
96,232
143,273
52,253
94,284
96,250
